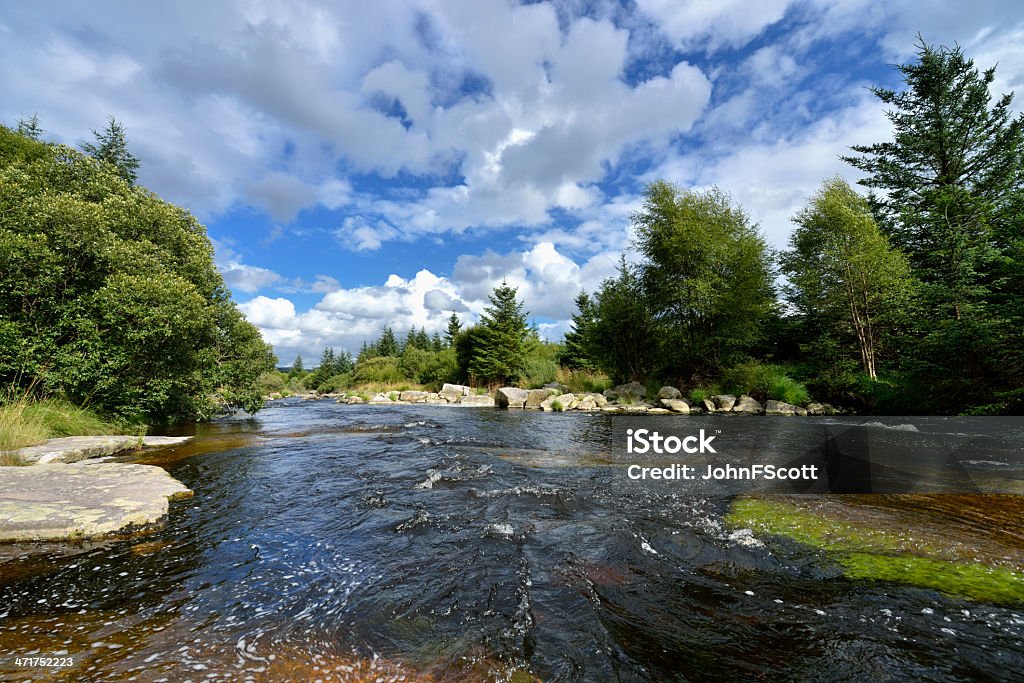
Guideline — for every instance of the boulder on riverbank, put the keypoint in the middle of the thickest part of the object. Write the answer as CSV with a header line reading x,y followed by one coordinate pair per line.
x,y
669,393
537,396
453,393
676,405
83,500
477,400
773,407
748,404
69,449
511,397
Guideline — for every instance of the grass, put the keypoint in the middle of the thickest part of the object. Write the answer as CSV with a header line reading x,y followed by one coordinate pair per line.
x,y
881,555
557,405
583,381
27,421
764,381
700,394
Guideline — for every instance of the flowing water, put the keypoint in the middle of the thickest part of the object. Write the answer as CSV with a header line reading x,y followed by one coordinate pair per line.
x,y
330,542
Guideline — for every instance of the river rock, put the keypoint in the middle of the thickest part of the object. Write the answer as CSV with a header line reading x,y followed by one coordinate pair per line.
x,y
634,389
724,402
381,398
511,397
599,399
352,400
538,396
477,400
676,405
68,449
414,396
747,404
453,393
562,388
564,401
669,392
434,397
708,405
820,409
783,408
83,500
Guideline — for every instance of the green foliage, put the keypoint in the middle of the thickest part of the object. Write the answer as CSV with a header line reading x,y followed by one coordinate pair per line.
x,y
556,405
112,147
845,279
387,345
578,351
950,198
498,354
540,366
378,370
584,381
110,295
623,329
271,381
26,420
30,127
765,381
707,276
441,367
451,333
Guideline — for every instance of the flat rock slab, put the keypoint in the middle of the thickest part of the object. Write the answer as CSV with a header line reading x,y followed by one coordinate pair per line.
x,y
84,500
74,448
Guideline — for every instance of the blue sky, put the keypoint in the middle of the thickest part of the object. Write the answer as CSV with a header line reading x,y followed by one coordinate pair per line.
x,y
367,164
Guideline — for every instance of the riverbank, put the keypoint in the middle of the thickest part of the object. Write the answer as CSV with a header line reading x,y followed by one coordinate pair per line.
x,y
626,398
60,490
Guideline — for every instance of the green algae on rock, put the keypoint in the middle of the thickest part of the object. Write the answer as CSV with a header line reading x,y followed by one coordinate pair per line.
x,y
874,551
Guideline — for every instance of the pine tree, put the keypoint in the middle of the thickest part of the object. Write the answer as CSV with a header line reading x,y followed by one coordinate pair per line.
x,y
297,369
577,352
500,357
112,147
452,332
423,339
387,345
435,342
30,127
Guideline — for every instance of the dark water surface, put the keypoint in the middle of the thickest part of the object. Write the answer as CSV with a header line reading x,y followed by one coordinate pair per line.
x,y
434,543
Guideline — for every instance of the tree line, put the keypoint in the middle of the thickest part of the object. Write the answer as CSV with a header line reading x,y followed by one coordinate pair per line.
x,y
909,299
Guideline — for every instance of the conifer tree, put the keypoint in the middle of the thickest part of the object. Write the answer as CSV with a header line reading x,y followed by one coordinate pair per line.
x,y
112,146
30,127
577,351
500,357
387,345
452,332
435,342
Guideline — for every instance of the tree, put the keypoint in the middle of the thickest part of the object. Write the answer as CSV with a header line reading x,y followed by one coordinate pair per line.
x,y
112,147
708,275
30,127
947,186
949,169
435,342
387,345
623,327
452,331
110,295
499,359
844,276
577,352
297,369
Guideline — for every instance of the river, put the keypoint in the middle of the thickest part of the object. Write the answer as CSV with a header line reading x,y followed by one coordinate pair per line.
x,y
330,542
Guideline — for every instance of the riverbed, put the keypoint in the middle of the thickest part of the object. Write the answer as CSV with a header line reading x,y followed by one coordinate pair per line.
x,y
339,542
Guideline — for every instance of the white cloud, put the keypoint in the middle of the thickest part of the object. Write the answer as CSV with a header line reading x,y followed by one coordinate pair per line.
x,y
713,23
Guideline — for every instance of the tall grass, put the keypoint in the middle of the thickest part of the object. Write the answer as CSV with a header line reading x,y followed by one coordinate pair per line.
x,y
583,381
28,421
764,381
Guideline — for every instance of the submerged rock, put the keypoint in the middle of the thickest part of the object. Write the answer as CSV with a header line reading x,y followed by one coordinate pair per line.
x,y
83,500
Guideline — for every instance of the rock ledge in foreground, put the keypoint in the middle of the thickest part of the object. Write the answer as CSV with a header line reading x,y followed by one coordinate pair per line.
x,y
74,448
83,500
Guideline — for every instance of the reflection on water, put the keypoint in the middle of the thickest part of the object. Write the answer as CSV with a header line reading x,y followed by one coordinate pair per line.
x,y
370,543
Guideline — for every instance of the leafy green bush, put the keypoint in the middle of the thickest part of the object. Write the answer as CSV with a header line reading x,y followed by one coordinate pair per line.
x,y
443,366
765,381
379,370
271,381
538,371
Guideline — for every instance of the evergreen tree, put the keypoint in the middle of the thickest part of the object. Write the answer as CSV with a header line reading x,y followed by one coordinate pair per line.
x,y
435,342
423,340
297,369
577,351
844,276
30,127
112,146
343,363
387,345
452,331
950,180
499,359
366,351
623,327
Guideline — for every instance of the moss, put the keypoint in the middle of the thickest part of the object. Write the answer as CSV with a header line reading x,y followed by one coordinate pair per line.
x,y
881,555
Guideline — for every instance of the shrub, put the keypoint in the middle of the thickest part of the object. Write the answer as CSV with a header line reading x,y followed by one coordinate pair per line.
x,y
584,381
538,371
765,381
271,381
557,405
379,370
